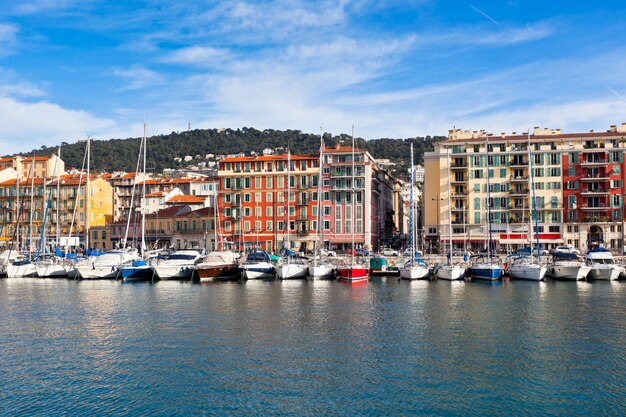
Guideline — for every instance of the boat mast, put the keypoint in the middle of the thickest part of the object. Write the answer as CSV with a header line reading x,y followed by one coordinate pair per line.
x,y
488,198
46,201
411,240
352,215
58,201
533,203
86,199
215,218
450,210
32,209
317,250
143,194
288,243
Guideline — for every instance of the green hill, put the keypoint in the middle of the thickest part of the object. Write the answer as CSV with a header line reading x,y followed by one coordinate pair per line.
x,y
121,154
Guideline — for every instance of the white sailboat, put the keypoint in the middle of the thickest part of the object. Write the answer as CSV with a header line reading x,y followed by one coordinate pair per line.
x,y
321,268
414,268
450,271
292,266
23,266
108,265
54,266
140,270
526,267
487,267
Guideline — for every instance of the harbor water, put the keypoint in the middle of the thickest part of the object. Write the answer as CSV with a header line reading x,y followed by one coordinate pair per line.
x,y
386,347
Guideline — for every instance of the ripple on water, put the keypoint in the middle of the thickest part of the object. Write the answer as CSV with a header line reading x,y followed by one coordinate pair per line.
x,y
311,348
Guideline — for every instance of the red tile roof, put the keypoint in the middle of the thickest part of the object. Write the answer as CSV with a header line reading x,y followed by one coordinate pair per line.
x,y
186,199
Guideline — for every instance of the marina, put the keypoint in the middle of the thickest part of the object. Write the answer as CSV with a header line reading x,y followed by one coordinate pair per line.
x,y
389,347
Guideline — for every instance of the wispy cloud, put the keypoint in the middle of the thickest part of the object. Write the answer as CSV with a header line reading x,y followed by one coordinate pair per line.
x,y
137,77
483,14
40,6
53,123
8,37
199,55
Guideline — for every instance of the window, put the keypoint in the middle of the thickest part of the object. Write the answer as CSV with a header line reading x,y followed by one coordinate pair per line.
x,y
268,226
269,182
257,198
268,211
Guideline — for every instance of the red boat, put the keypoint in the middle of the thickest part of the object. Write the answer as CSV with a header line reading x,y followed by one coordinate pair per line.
x,y
353,273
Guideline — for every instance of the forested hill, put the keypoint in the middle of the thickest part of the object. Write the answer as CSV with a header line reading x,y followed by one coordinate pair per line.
x,y
121,154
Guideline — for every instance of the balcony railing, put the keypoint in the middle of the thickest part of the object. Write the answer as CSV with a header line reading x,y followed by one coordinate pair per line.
x,y
518,178
458,164
594,191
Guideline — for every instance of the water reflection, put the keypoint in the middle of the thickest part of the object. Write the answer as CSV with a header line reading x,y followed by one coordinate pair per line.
x,y
312,347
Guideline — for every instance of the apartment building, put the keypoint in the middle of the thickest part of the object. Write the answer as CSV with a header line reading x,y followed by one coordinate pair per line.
x,y
257,213
576,179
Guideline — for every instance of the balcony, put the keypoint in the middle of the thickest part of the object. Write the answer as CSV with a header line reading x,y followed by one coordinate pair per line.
x,y
235,203
459,180
519,192
518,179
513,163
458,164
594,207
303,187
461,209
595,162
304,232
303,202
598,191
519,207
458,195
601,176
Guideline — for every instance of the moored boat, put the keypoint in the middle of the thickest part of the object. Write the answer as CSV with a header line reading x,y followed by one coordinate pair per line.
x,y
218,266
485,267
178,265
567,266
258,265
603,266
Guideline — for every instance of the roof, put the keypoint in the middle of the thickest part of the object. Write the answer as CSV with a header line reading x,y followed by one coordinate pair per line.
x,y
282,157
342,149
157,194
186,199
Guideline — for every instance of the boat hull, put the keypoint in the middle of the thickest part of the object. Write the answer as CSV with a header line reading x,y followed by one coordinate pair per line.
x,y
21,271
218,272
353,274
137,273
414,272
291,271
605,274
98,272
167,272
568,272
321,272
259,271
529,272
486,273
450,272
52,271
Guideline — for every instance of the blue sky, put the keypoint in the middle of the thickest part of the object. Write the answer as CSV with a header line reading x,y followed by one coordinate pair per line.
x,y
71,68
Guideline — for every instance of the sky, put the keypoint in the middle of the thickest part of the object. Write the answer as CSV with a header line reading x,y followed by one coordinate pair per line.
x,y
76,68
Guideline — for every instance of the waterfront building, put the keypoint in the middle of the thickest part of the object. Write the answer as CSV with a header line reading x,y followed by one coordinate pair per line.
x,y
578,182
44,166
253,201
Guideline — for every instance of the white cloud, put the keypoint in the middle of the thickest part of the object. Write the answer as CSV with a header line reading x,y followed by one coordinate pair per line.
x,y
8,37
200,55
137,77
29,125
38,6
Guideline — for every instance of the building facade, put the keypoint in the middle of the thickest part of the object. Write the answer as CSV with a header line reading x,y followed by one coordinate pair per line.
x,y
572,183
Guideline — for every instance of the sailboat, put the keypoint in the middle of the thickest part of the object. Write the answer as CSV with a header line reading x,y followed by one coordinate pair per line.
x,y
50,266
526,267
23,266
486,267
450,271
139,269
321,268
107,265
292,266
353,271
414,268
